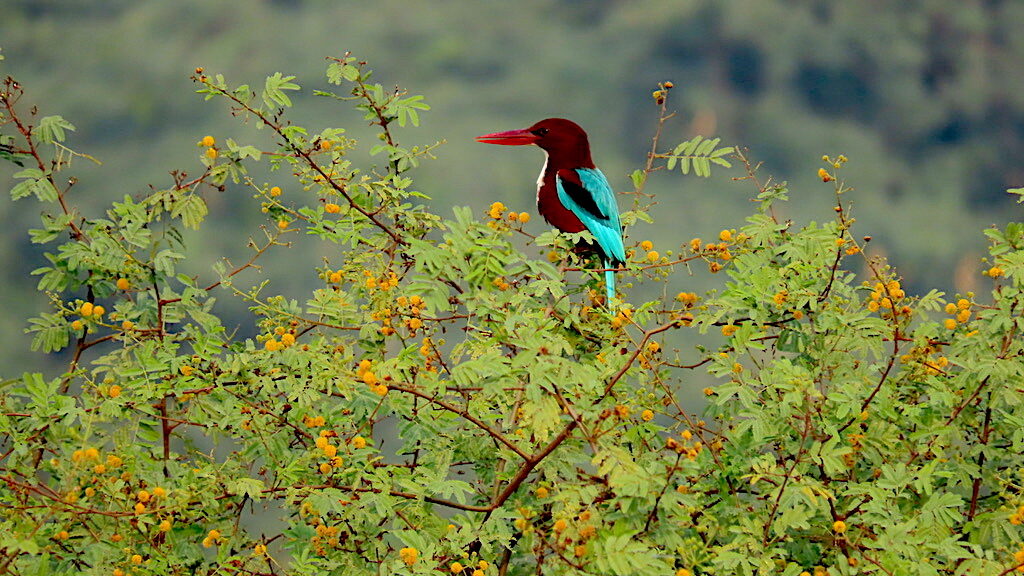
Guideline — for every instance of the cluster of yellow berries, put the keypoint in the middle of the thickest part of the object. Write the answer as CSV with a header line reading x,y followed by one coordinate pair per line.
x,y
329,451
209,143
145,498
430,355
652,255
409,555
365,373
386,283
458,568
287,339
688,300
622,317
888,297
929,356
960,312
993,272
661,93
88,311
836,164
685,445
649,354
213,537
326,536
718,250
497,212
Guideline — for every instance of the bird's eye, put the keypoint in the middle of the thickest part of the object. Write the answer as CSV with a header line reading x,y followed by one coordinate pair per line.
x,y
540,131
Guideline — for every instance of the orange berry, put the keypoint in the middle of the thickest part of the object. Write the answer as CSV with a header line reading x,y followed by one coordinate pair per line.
x,y
332,208
275,191
541,492
524,217
824,175
86,309
77,325
325,144
359,442
282,224
647,415
123,284
207,141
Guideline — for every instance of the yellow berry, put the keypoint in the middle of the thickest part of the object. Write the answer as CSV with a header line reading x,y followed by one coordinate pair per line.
x,y
143,496
653,256
211,153
824,175
478,572
524,217
275,191
995,272
325,144
98,311
282,224
647,415
951,308
359,442
839,527
369,378
521,524
127,325
949,323
140,507
165,526
580,550
962,304
456,568
86,309
541,492
332,208
409,555
136,559
963,316
325,468
208,141
260,549
647,245
729,329
725,235
683,572
123,284
77,325
335,277
288,339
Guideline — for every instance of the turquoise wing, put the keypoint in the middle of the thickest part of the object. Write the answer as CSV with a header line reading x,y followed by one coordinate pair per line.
x,y
586,193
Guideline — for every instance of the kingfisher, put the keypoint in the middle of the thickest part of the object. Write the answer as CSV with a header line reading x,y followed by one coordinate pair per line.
x,y
573,195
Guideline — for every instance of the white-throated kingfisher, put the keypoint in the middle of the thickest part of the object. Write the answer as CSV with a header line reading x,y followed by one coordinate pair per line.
x,y
572,194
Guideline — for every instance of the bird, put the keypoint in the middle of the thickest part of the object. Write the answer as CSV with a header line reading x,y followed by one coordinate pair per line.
x,y
573,195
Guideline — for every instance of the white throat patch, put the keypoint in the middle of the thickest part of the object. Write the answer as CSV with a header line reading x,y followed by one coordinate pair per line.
x,y
540,179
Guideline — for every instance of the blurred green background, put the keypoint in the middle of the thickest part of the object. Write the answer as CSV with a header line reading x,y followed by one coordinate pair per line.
x,y
925,97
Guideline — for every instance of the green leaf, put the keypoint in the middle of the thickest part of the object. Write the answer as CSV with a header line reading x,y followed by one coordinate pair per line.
x,y
51,129
273,91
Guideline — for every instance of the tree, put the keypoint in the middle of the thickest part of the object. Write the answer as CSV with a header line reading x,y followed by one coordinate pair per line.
x,y
445,401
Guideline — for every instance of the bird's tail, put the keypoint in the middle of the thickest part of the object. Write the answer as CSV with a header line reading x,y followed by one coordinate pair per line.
x,y
609,282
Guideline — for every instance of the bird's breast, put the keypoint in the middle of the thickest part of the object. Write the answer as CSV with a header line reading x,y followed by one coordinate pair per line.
x,y
550,207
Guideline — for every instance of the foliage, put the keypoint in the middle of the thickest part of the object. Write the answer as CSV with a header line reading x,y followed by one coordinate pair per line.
x,y
444,401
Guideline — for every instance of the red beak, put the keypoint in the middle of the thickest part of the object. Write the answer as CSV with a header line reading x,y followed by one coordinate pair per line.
x,y
510,138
